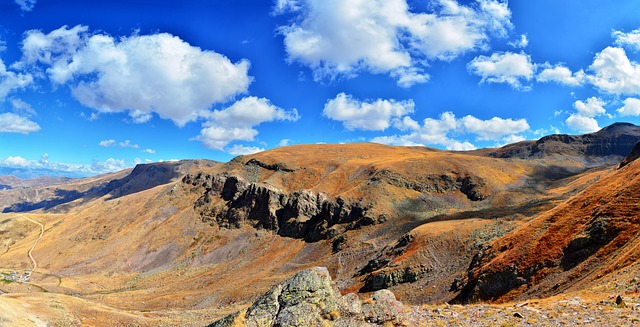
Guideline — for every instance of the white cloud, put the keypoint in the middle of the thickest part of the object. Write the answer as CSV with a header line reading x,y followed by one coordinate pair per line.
x,y
592,108
10,81
241,150
284,142
149,151
509,139
493,128
283,6
406,123
561,75
140,74
582,124
123,144
615,73
583,120
520,43
15,161
345,37
441,132
107,143
368,116
630,40
107,166
13,123
21,107
128,144
631,107
237,122
26,5
504,67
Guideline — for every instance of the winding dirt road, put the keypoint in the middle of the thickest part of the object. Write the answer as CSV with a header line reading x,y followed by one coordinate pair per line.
x,y
33,260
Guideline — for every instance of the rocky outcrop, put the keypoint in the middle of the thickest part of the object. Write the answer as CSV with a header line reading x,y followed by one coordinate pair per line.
x,y
273,167
389,278
309,298
635,154
231,202
472,186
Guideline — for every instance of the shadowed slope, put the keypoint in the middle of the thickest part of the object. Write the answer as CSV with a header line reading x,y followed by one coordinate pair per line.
x,y
572,246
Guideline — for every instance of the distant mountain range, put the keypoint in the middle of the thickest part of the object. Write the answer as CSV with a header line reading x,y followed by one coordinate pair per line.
x,y
38,172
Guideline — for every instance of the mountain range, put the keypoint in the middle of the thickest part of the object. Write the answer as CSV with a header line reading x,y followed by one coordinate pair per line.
x,y
190,242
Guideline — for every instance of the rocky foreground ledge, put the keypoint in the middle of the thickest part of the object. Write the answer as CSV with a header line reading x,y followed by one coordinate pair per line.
x,y
309,298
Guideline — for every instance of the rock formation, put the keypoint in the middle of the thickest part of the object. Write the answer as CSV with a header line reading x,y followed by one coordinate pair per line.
x,y
635,154
231,201
309,298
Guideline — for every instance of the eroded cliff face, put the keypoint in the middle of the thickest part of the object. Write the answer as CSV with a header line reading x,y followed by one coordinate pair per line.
x,y
231,202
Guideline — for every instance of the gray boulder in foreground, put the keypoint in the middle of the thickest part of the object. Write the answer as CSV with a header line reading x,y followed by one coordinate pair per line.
x,y
309,298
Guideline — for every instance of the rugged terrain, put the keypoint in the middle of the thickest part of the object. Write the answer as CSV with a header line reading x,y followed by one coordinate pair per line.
x,y
187,243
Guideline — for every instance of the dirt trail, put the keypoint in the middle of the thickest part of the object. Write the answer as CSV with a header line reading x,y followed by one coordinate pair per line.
x,y
33,260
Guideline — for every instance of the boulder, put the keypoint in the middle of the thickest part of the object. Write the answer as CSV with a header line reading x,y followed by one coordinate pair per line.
x,y
310,298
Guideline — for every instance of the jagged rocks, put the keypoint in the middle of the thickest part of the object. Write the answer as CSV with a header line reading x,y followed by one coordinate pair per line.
x,y
310,298
388,278
231,202
635,154
473,187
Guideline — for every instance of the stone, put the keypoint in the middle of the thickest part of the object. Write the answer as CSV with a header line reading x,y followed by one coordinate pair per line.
x,y
382,308
310,298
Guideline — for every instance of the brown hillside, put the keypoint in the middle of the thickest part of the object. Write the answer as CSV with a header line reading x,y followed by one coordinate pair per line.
x,y
574,246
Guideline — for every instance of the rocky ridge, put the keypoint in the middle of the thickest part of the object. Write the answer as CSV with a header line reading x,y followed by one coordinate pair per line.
x,y
615,140
231,202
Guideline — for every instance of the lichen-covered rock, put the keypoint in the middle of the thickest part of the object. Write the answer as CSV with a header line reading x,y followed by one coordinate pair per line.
x,y
263,312
309,298
383,308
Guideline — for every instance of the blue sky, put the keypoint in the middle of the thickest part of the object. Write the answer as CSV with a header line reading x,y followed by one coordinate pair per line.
x,y
90,87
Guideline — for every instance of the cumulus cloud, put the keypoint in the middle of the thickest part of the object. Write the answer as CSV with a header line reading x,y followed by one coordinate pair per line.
x,y
345,37
13,123
615,73
630,40
631,107
140,74
583,120
10,80
15,161
26,5
368,116
493,128
560,74
149,151
504,67
237,122
592,108
441,131
241,150
582,124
